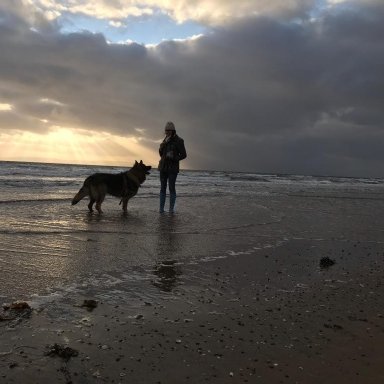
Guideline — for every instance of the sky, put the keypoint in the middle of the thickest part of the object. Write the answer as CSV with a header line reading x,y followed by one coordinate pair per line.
x,y
269,86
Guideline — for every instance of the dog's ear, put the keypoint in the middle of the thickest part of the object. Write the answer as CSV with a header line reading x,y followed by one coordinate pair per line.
x,y
136,162
141,161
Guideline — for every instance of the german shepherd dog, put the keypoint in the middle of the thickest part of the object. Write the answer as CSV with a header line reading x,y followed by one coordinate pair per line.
x,y
124,185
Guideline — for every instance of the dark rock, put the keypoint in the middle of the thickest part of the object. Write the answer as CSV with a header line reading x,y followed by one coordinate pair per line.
x,y
15,310
59,350
17,306
326,262
89,304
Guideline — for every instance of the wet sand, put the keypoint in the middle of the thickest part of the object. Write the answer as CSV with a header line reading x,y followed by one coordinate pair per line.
x,y
261,314
267,319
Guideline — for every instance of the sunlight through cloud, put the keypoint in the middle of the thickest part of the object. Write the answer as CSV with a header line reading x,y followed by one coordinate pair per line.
x,y
51,102
5,107
75,146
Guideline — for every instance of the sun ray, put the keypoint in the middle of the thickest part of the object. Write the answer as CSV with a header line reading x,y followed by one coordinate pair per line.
x,y
74,146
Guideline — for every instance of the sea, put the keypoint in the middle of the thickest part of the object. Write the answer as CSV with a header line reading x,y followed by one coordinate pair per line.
x,y
50,248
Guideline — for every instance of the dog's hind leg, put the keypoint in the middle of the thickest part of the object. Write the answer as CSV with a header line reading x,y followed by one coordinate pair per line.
x,y
99,201
98,206
90,205
93,196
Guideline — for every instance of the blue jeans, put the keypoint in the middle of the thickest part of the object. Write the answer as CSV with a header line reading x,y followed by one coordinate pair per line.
x,y
170,179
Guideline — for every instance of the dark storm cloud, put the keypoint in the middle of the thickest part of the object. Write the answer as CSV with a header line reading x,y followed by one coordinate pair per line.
x,y
262,94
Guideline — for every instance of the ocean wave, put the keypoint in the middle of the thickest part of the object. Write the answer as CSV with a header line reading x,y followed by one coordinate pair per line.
x,y
250,177
32,200
34,176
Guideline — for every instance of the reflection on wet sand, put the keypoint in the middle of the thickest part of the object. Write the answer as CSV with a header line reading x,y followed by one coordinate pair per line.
x,y
167,273
167,270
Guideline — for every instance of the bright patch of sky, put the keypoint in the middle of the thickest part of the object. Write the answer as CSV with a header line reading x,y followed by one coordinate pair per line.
x,y
147,29
317,10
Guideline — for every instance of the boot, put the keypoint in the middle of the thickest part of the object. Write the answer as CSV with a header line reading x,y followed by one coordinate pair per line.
x,y
162,201
172,201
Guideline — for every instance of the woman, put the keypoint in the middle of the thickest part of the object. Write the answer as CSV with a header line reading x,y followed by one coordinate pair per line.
x,y
171,151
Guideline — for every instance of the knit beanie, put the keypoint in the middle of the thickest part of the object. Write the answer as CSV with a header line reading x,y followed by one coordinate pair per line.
x,y
170,126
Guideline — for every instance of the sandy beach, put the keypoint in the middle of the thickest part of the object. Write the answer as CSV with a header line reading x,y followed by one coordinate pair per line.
x,y
259,319
228,290
261,123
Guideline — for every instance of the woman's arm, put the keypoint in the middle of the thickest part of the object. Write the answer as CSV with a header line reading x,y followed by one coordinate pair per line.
x,y
182,153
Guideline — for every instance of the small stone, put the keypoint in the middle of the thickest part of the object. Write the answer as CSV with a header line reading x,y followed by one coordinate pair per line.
x,y
89,304
326,262
96,374
59,350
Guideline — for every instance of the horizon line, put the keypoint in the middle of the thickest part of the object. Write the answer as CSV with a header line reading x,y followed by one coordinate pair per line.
x,y
197,170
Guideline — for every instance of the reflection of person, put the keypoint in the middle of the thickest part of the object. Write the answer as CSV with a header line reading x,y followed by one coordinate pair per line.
x,y
167,269
167,273
171,151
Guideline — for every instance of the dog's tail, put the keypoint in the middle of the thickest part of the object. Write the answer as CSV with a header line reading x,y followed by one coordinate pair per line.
x,y
80,195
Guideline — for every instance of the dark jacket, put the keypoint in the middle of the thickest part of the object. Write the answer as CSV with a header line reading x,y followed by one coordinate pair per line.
x,y
171,153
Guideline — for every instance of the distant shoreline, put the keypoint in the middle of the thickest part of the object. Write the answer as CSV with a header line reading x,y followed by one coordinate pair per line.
x,y
154,167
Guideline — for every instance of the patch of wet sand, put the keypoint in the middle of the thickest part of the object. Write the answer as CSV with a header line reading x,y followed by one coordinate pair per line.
x,y
273,316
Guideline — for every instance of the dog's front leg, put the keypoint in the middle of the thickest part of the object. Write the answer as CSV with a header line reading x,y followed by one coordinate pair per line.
x,y
125,204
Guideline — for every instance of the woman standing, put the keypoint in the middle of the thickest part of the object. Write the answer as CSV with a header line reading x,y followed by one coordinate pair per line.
x,y
171,151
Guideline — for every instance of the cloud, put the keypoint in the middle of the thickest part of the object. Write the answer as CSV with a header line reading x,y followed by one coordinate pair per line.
x,y
211,12
259,93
